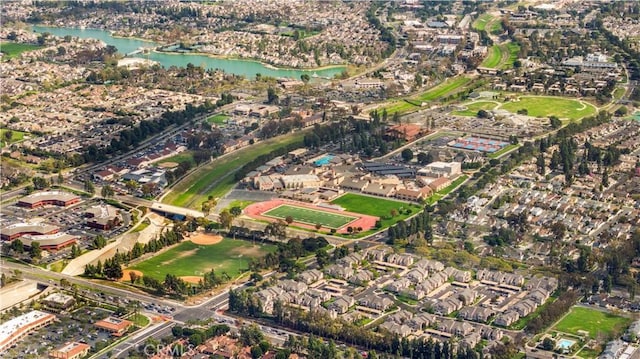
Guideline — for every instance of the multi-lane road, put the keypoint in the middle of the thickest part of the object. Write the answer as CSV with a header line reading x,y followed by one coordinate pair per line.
x,y
207,309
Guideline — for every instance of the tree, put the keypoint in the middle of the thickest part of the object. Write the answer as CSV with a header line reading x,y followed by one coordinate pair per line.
x,y
305,78
107,191
133,276
605,178
559,230
8,134
289,219
75,251
482,114
235,211
89,187
272,97
425,158
322,257
621,111
39,183
407,154
17,246
35,252
131,185
548,344
540,163
225,218
256,352
555,122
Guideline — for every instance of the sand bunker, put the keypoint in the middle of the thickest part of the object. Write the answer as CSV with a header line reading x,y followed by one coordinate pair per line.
x,y
126,277
193,279
205,239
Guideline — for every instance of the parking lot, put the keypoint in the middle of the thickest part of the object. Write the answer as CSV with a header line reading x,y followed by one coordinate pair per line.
x,y
77,326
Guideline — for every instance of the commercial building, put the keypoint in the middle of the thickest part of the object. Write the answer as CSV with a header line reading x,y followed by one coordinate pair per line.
x,y
57,198
116,326
59,301
301,181
50,242
17,328
441,169
18,230
70,350
102,217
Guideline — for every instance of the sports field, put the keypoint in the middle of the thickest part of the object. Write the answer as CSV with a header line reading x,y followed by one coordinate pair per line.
x,y
11,49
545,106
472,108
592,321
218,119
378,207
216,177
309,216
189,259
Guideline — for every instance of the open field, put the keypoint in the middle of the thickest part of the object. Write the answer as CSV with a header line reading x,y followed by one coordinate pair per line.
x,y
15,137
472,108
513,49
196,187
445,88
502,151
544,106
592,321
378,207
190,259
11,49
482,21
495,27
309,216
186,156
218,119
441,90
493,57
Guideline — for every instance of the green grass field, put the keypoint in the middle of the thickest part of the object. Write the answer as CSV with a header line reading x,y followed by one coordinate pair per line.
x,y
186,156
219,119
481,22
593,321
15,137
543,106
373,206
189,259
12,49
309,216
495,27
441,90
493,58
504,150
472,108
196,187
513,49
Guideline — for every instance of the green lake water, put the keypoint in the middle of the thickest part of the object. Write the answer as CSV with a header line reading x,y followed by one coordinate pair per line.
x,y
245,68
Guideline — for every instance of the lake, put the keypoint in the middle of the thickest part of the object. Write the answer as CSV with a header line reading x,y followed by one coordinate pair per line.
x,y
245,68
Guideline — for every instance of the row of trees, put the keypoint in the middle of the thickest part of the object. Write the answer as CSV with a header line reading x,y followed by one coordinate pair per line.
x,y
318,323
419,225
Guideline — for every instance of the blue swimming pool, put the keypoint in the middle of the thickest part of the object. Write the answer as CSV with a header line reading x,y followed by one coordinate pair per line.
x,y
323,161
565,343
